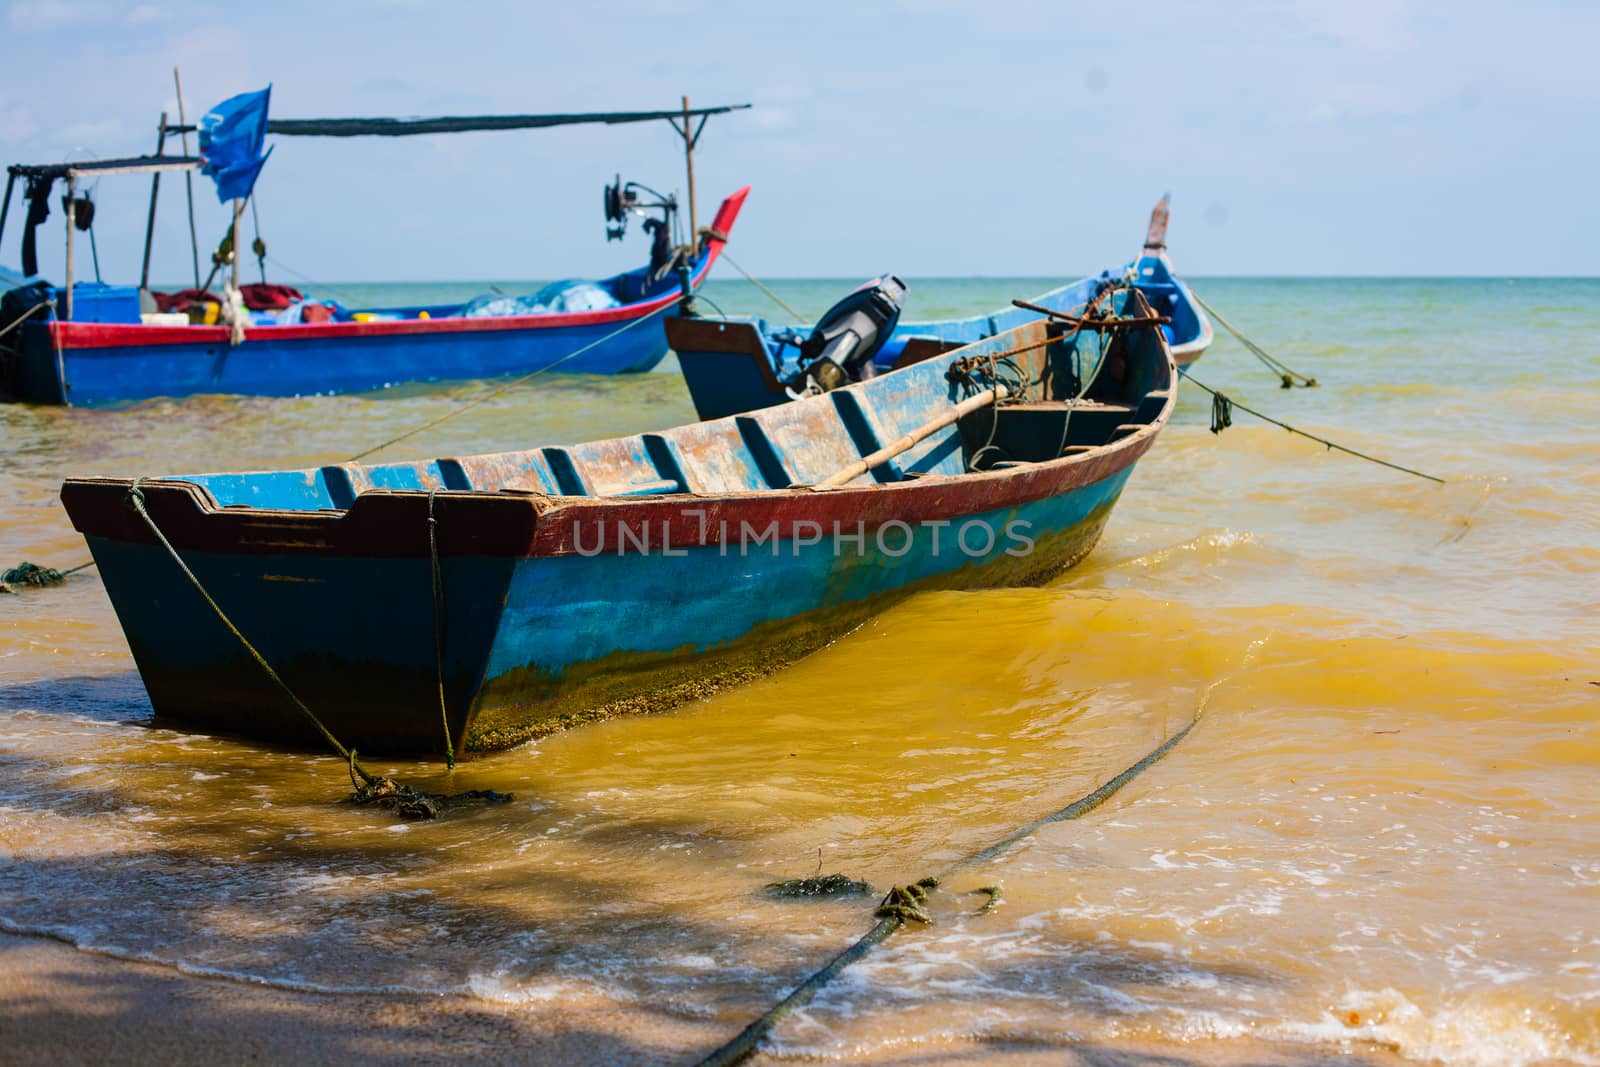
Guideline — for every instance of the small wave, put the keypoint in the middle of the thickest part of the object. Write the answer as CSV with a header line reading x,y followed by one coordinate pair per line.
x,y
1476,1032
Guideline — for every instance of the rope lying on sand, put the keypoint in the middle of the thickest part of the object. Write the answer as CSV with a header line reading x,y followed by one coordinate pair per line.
x,y
906,904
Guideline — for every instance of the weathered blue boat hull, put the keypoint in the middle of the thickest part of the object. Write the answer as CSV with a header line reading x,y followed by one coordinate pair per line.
x,y
622,575
366,654
523,655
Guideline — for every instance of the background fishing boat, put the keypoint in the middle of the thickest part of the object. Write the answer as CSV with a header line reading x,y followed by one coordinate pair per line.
x,y
87,343
474,602
863,334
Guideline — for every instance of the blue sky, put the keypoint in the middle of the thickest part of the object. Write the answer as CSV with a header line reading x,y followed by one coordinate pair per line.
x,y
928,138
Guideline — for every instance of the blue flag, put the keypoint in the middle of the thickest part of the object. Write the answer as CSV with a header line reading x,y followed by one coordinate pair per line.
x,y
231,139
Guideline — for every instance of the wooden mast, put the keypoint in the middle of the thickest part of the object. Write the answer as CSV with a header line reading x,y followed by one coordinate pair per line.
x,y
688,162
188,179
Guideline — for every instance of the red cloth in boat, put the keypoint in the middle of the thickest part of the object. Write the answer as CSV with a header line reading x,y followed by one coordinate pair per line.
x,y
264,296
259,296
184,299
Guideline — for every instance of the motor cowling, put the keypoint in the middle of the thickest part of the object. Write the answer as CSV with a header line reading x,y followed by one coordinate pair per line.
x,y
841,345
853,330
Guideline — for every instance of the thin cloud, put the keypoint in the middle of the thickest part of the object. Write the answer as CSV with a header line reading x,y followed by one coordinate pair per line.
x,y
16,121
50,14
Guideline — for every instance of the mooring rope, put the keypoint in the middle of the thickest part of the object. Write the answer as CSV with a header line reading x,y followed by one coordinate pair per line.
x,y
906,903
1275,365
753,280
316,286
19,320
403,800
438,628
464,408
1222,407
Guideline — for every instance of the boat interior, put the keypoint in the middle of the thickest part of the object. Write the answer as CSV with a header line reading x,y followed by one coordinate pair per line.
x,y
1069,392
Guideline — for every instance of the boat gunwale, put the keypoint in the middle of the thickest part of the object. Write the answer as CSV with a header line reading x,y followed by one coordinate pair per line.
x,y
246,530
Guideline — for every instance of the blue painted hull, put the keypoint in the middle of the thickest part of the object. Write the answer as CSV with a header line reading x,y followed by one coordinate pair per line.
x,y
267,366
773,604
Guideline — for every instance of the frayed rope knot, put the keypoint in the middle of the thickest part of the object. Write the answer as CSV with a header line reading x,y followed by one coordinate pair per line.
x,y
906,902
1221,412
407,801
29,574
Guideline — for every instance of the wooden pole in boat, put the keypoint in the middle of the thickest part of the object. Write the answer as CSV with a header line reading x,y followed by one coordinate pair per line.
x,y
1086,323
932,426
72,214
238,211
688,162
150,221
188,179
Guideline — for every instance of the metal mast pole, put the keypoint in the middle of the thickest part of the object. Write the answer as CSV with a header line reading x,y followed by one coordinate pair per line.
x,y
150,222
72,215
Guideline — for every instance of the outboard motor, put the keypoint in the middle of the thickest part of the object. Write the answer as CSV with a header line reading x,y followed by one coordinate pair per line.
x,y
15,306
843,342
622,200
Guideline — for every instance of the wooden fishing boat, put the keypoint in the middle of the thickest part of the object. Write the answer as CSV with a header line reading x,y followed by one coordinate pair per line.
x,y
723,382
478,601
86,343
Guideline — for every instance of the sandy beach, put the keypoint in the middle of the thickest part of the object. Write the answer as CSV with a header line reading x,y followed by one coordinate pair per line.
x,y
59,1005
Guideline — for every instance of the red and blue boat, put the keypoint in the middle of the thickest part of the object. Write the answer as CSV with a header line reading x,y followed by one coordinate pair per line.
x,y
473,602
864,334
86,343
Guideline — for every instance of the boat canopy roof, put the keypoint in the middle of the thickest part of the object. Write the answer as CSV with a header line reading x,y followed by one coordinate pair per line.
x,y
409,127
127,165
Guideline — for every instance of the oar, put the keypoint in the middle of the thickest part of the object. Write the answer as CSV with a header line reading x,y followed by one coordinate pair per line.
x,y
921,433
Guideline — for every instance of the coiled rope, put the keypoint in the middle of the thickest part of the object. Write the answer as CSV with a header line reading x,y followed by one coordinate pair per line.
x,y
1222,407
1286,374
906,903
26,573
404,800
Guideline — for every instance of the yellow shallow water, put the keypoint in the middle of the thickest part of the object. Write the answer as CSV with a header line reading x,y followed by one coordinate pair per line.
x,y
1384,829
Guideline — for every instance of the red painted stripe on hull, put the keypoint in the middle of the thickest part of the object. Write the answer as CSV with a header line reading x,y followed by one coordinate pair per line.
x,y
596,524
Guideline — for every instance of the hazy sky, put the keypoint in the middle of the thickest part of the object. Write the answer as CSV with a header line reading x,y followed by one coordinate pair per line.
x,y
928,138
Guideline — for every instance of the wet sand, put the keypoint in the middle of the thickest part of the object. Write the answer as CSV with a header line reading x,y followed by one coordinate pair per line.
x,y
60,1005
